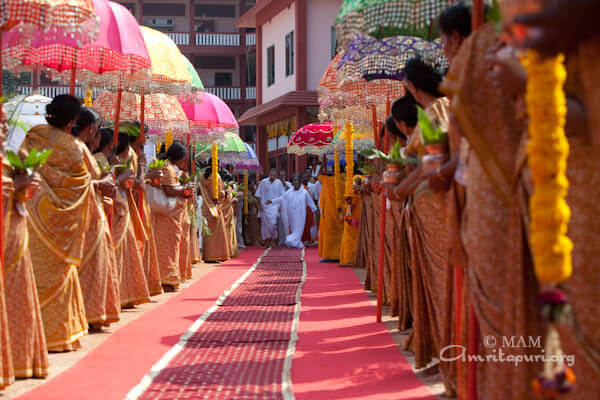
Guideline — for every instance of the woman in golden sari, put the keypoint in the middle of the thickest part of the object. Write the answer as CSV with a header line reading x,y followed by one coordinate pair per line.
x,y
168,224
128,232
26,330
330,228
228,207
252,223
185,254
63,218
149,253
216,246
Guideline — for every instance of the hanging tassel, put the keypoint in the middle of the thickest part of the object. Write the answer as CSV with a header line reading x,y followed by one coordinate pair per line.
x,y
215,171
158,146
168,139
245,192
142,117
87,101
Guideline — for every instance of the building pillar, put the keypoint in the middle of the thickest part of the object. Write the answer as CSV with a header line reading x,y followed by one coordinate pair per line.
x,y
243,73
301,45
261,148
140,11
192,21
259,61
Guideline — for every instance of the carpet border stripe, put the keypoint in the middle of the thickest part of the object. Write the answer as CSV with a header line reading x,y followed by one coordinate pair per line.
x,y
286,376
147,380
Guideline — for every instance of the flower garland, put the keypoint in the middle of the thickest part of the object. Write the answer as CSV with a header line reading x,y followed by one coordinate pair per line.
x,y
215,171
168,139
547,151
245,192
87,101
348,135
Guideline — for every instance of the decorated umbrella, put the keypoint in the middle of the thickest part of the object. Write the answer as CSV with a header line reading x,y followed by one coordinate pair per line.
x,y
251,162
231,150
384,18
117,57
210,119
162,112
311,139
24,113
366,58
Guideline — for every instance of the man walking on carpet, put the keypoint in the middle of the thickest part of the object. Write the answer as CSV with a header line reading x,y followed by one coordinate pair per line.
x,y
269,188
296,201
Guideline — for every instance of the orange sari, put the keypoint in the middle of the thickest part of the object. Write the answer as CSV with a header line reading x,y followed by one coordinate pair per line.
x,y
27,340
229,218
217,245
168,232
331,228
350,235
185,254
60,216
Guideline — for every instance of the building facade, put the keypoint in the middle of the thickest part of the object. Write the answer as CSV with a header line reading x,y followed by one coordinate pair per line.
x,y
295,41
205,32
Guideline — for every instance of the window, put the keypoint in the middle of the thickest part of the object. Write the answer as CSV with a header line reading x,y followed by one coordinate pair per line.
x,y
163,10
271,65
223,79
214,11
333,42
251,64
289,54
214,62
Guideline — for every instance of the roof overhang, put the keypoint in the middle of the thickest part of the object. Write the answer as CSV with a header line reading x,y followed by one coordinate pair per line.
x,y
291,99
248,19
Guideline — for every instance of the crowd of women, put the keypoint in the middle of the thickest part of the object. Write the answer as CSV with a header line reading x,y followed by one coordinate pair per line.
x,y
94,230
458,262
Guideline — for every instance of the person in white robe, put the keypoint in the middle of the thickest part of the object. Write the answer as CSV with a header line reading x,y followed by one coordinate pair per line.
x,y
282,224
296,201
239,232
269,188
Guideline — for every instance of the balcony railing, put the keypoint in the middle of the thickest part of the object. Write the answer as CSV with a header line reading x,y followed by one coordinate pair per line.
x,y
54,90
231,93
217,39
251,93
180,38
250,39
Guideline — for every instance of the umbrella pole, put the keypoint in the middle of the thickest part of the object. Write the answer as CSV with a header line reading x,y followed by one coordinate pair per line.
x,y
117,117
73,74
477,14
1,182
375,130
386,143
142,112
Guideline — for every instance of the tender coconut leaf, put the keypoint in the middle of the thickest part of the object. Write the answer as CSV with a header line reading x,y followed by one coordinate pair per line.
x,y
429,133
14,160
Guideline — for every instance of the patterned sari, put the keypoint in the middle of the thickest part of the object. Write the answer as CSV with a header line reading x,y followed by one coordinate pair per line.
x,y
60,216
217,245
168,233
499,279
27,340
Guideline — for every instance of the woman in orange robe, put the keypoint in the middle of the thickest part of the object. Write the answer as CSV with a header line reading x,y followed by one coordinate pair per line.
x,y
168,227
217,245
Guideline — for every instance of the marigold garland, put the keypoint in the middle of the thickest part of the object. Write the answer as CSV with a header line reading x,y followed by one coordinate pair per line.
x,y
215,171
348,135
245,192
168,139
158,146
547,151
87,101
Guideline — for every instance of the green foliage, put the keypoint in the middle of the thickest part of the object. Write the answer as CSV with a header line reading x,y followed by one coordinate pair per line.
x,y
123,167
130,129
494,16
366,168
105,168
394,157
429,133
205,229
33,161
157,164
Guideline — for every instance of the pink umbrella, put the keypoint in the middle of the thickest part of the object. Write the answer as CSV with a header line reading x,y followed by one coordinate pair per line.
x,y
210,119
116,57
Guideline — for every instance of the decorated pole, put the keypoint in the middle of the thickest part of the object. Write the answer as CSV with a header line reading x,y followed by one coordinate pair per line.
x,y
117,117
375,126
337,176
245,192
215,171
348,134
142,116
73,79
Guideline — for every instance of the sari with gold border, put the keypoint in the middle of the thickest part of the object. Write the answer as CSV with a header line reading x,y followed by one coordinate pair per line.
x,y
59,219
27,340
216,246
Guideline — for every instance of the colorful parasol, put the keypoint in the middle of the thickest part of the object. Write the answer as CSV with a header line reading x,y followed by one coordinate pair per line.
x,y
209,119
366,58
385,18
75,20
231,150
311,139
162,112
251,162
115,59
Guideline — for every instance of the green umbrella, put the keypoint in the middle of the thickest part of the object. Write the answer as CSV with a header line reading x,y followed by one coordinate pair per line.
x,y
196,81
231,150
384,18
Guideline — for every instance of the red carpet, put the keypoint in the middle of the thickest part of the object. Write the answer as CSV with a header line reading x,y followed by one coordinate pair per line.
x,y
112,369
342,353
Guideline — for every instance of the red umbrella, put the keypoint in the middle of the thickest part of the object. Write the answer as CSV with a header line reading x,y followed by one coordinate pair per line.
x,y
311,139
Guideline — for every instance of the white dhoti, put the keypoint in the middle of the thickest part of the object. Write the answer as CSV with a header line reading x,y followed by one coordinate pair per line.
x,y
296,202
268,221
